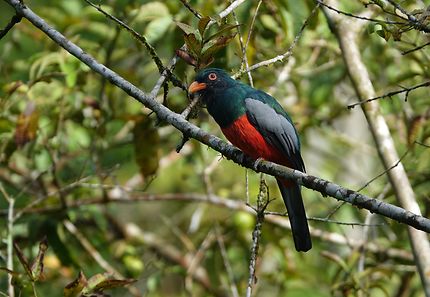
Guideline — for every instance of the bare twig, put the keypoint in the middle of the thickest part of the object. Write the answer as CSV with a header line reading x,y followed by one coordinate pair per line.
x,y
229,9
245,63
226,262
288,53
416,23
416,48
190,8
422,144
234,205
263,201
385,171
15,20
171,253
405,90
143,40
363,18
96,255
187,111
197,258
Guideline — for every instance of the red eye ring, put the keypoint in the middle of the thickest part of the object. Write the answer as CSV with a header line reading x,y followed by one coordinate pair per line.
x,y
212,76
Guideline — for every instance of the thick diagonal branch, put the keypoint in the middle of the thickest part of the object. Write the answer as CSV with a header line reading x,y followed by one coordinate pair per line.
x,y
192,131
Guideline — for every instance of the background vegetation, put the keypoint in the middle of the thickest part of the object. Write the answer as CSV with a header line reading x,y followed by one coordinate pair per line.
x,y
98,175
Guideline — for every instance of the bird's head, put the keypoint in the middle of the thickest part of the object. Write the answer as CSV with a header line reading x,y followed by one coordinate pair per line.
x,y
211,80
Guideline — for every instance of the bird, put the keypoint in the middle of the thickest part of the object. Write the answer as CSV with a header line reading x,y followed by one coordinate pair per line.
x,y
256,123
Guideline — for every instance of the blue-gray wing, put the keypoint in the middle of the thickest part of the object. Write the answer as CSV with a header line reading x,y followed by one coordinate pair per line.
x,y
276,129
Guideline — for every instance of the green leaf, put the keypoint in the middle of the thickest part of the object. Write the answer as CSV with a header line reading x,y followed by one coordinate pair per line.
x,y
75,288
147,146
184,55
186,28
193,44
223,30
152,11
215,46
270,23
203,22
101,282
113,283
157,28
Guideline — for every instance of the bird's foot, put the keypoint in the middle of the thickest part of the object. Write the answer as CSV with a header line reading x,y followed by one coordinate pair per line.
x,y
256,163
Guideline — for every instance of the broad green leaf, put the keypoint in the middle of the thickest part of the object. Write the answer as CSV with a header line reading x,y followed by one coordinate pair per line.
x,y
152,10
113,283
270,23
75,288
193,44
184,55
101,282
156,29
203,22
187,29
147,146
223,30
214,47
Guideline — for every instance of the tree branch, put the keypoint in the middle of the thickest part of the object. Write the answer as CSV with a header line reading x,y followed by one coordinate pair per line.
x,y
405,90
347,33
231,152
15,20
234,205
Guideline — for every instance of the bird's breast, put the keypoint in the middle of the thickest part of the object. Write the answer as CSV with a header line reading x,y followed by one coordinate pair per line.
x,y
245,136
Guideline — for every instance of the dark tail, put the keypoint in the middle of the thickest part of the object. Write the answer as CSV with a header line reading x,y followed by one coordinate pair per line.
x,y
297,215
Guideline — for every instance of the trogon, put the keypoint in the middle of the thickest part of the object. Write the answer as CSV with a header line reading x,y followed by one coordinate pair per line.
x,y
256,123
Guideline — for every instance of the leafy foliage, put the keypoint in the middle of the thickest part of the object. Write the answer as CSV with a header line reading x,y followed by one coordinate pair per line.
x,y
74,147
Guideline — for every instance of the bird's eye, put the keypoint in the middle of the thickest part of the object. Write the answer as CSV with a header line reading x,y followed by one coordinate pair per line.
x,y
212,76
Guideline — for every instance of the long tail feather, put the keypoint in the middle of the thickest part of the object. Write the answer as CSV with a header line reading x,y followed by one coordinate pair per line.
x,y
296,213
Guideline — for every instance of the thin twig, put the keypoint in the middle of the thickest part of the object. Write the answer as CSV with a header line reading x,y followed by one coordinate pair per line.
x,y
357,16
229,9
234,205
245,46
325,220
385,171
15,20
422,144
94,253
288,53
417,24
226,262
190,8
198,257
187,111
171,253
143,40
416,48
263,201
405,90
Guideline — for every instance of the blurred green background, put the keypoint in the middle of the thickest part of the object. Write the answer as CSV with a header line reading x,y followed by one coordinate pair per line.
x,y
68,135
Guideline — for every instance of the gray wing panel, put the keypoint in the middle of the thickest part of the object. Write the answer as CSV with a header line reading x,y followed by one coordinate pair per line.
x,y
276,129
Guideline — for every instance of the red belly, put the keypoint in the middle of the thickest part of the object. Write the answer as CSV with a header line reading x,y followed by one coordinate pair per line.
x,y
244,135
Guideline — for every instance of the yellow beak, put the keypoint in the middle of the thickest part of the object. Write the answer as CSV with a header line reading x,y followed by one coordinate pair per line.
x,y
195,87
